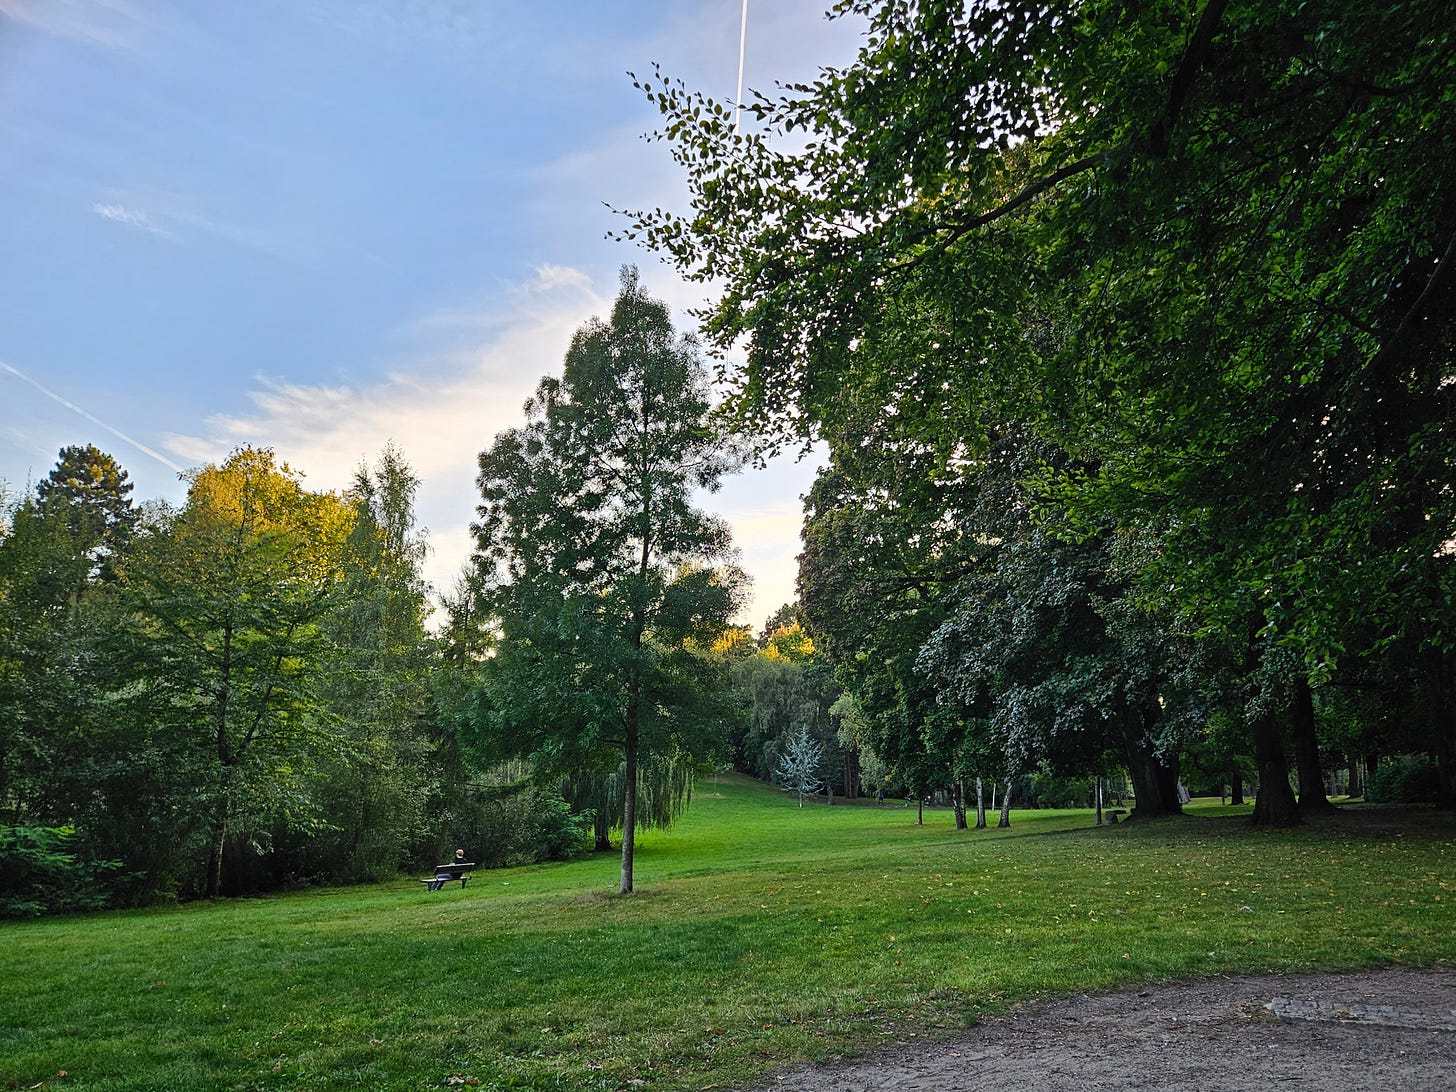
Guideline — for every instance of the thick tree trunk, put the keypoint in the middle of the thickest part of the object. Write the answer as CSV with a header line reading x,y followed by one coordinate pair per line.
x,y
1236,786
1005,820
1154,783
958,802
1356,785
980,805
1311,775
1274,806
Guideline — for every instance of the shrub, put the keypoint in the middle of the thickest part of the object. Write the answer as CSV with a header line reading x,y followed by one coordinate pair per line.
x,y
38,876
1405,779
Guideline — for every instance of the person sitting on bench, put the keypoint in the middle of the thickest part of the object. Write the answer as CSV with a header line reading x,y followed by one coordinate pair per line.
x,y
458,869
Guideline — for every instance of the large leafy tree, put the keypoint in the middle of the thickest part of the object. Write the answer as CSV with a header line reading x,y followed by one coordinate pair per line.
x,y
233,591
606,585
57,652
1236,218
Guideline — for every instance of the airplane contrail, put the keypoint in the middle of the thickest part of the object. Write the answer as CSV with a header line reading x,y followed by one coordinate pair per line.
x,y
93,418
742,45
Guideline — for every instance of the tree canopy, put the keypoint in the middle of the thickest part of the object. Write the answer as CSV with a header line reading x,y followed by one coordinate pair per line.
x,y
1205,249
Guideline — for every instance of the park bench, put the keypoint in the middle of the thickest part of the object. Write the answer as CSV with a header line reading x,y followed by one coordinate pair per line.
x,y
449,873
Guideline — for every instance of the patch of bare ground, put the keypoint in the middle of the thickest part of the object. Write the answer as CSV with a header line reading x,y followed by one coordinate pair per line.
x,y
1389,1029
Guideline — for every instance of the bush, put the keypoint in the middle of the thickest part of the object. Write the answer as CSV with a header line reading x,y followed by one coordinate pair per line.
x,y
1406,779
38,876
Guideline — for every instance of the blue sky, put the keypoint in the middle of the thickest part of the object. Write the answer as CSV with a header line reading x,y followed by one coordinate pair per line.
x,y
322,225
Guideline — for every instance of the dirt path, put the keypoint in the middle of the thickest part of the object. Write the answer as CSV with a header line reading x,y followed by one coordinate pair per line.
x,y
1387,1030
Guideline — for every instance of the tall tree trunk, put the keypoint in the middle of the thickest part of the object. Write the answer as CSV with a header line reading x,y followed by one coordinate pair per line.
x,y
1097,792
629,801
958,803
220,822
1356,786
1236,786
1311,775
1005,820
1274,806
920,810
980,805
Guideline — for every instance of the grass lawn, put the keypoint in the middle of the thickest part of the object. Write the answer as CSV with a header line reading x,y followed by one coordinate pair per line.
x,y
760,935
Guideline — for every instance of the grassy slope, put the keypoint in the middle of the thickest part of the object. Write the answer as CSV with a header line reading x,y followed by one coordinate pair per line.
x,y
761,934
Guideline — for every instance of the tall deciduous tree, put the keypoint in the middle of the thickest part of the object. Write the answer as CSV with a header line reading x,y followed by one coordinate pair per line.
x,y
607,586
234,590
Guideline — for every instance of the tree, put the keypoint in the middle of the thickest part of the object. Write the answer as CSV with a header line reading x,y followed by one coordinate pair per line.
x,y
1237,219
233,592
380,785
798,766
92,492
66,749
606,587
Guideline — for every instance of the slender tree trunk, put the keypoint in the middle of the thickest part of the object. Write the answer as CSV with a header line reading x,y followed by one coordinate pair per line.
x,y
958,803
219,841
1444,715
1097,792
629,802
1356,786
1236,786
602,828
1005,820
223,743
1306,750
920,809
980,805
1274,806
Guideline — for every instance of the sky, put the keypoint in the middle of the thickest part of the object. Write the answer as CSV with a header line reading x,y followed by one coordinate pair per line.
x,y
323,226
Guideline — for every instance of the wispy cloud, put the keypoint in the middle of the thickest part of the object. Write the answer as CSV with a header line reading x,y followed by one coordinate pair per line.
x,y
442,405
176,217
113,24
120,214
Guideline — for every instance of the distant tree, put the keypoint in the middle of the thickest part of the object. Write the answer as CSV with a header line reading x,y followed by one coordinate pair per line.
x,y
798,767
91,492
605,587
378,788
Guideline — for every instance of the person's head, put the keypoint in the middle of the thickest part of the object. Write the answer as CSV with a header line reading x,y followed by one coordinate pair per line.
x,y
460,854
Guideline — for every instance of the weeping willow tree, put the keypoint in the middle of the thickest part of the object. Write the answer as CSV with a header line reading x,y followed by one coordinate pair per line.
x,y
664,790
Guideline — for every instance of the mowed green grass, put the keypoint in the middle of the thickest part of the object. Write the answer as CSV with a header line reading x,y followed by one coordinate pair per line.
x,y
760,935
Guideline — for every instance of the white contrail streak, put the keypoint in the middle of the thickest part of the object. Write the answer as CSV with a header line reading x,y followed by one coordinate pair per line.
x,y
92,418
742,42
